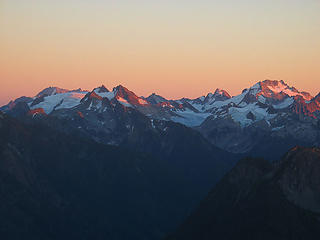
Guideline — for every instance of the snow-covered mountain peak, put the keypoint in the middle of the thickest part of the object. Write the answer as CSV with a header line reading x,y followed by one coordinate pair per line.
x,y
221,92
127,97
101,89
263,100
54,99
280,90
120,88
101,92
119,93
218,95
52,91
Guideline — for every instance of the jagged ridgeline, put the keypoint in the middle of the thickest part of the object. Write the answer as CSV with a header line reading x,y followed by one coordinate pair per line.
x,y
267,114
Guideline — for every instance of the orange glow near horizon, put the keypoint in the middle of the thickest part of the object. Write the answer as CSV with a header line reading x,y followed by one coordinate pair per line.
x,y
173,49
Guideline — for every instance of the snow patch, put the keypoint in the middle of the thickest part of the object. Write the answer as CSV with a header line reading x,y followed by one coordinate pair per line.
x,y
190,118
108,95
59,101
240,114
152,124
123,102
277,128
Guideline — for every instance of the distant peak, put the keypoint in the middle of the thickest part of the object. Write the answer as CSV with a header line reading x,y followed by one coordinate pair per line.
x,y
222,92
277,88
78,90
121,88
154,95
51,91
124,95
101,89
155,99
218,95
274,82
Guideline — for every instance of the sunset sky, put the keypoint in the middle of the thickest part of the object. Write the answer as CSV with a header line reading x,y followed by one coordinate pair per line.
x,y
172,47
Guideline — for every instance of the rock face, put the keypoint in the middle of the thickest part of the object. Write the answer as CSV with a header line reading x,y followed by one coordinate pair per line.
x,y
260,200
299,178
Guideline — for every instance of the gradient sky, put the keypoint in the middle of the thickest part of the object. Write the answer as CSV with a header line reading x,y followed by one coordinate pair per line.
x,y
174,48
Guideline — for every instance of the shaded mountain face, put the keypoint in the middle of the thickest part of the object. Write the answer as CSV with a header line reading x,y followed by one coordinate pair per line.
x,y
280,134
55,186
298,177
184,149
250,123
65,186
258,200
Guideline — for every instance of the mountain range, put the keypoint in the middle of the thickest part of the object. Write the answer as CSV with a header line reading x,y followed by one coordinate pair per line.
x,y
108,164
268,112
